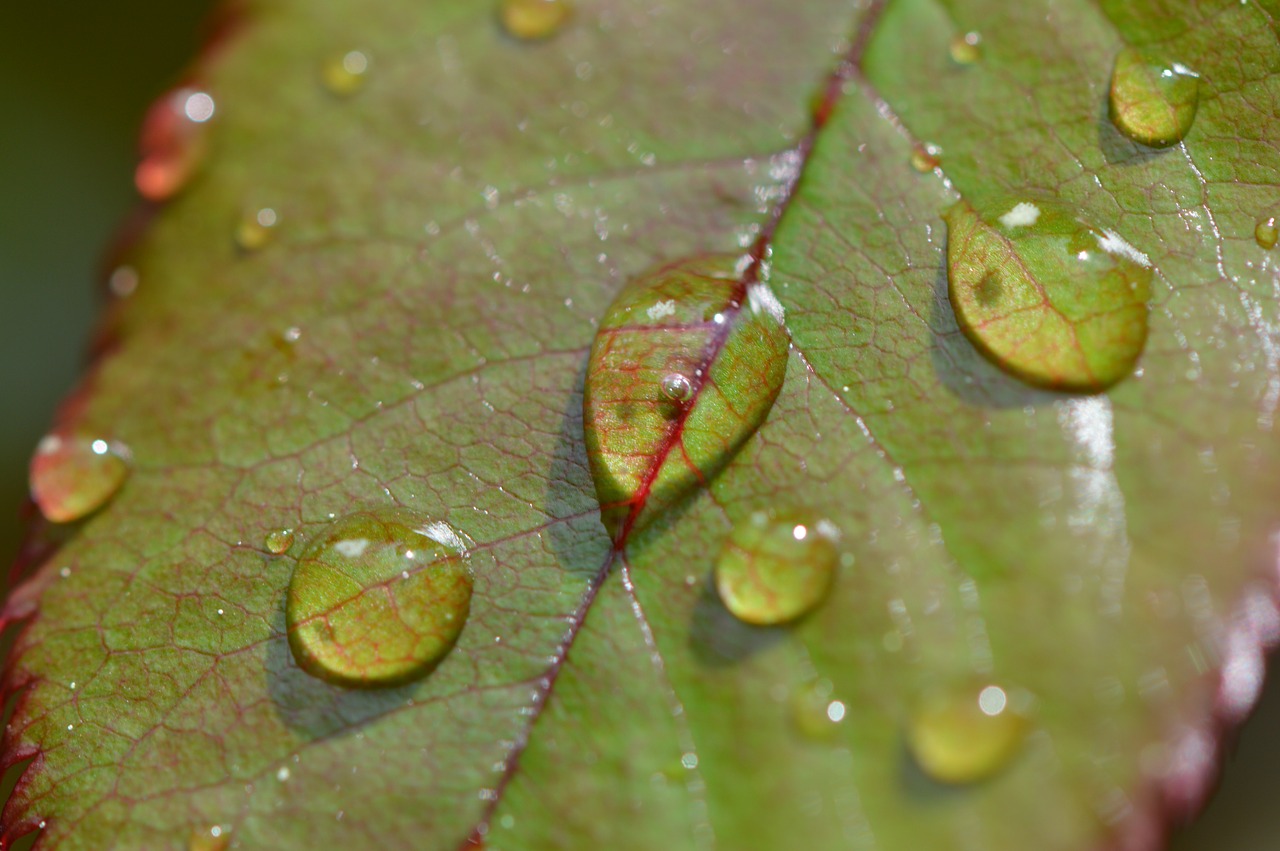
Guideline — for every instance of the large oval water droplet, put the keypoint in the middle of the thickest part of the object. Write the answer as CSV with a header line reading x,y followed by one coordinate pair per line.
x,y
776,569
966,734
650,439
173,143
1045,295
73,476
1153,99
531,20
378,599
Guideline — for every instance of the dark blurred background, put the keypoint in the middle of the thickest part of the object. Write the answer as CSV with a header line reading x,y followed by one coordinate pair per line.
x,y
75,79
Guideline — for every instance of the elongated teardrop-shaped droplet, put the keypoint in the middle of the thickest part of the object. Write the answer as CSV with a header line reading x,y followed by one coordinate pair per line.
x,y
73,476
776,569
1045,295
214,838
966,734
256,229
279,541
1153,99
378,599
173,143
696,319
1267,233
530,20
346,74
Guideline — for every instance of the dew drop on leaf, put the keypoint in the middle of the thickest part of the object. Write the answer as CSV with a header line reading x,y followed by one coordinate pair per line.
x,y
677,387
346,74
816,714
173,143
1153,99
965,734
256,229
73,476
1267,234
214,838
1045,295
966,48
378,598
695,318
530,20
279,541
925,158
775,569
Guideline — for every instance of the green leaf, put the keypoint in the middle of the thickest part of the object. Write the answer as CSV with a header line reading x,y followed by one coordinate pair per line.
x,y
415,336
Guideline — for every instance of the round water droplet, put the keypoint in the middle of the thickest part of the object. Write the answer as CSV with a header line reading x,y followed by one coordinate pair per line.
x,y
279,541
173,143
775,569
966,734
1045,295
925,158
123,281
345,75
1153,99
213,838
815,713
677,387
73,476
256,229
966,48
1267,233
535,19
378,599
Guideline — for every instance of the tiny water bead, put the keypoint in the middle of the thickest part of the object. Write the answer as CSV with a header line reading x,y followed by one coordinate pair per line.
x,y
924,158
688,338
773,570
212,838
345,74
1153,99
256,229
173,143
1045,295
73,476
966,734
378,598
815,713
1267,233
531,20
966,48
279,541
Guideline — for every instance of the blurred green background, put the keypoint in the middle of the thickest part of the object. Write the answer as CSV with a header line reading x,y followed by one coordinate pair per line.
x,y
75,79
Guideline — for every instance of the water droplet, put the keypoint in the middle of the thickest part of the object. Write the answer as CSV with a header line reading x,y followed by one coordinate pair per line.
x,y
815,713
279,541
378,598
173,142
530,20
1267,234
966,48
697,320
1153,99
775,569
966,734
214,838
346,74
256,229
1045,295
677,388
925,158
73,476
123,281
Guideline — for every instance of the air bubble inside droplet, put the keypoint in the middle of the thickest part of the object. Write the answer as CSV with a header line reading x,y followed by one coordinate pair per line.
x,y
73,476
966,734
776,570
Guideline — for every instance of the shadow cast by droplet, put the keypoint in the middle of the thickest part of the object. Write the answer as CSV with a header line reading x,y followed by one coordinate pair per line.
x,y
718,639
1119,149
921,788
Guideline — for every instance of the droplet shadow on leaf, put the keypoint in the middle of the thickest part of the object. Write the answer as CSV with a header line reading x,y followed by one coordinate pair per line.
x,y
1117,148
719,639
919,787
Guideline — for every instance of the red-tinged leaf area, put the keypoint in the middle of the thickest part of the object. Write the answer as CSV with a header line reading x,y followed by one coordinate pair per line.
x,y
462,315
685,366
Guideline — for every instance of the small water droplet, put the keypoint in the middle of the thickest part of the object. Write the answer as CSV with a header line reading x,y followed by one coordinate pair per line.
x,y
73,476
775,569
677,387
966,734
346,74
1153,99
123,281
173,142
925,158
530,20
256,229
279,541
214,838
352,616
814,712
1267,234
1045,295
966,48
